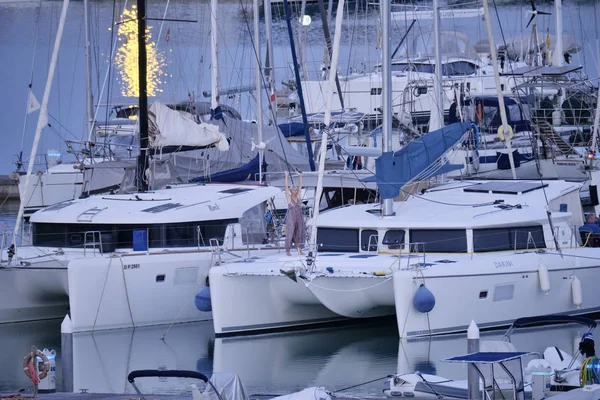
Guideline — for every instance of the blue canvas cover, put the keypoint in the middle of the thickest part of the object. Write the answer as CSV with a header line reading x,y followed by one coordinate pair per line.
x,y
243,173
416,160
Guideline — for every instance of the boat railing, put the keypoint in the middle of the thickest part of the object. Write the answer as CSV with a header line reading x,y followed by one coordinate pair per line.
x,y
93,243
413,253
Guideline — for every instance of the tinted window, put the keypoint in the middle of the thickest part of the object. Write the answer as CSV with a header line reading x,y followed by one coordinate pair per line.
x,y
167,235
52,235
393,239
517,238
440,241
337,197
368,240
458,68
334,239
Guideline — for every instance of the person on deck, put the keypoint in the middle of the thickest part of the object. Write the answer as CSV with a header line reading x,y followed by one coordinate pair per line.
x,y
294,223
590,224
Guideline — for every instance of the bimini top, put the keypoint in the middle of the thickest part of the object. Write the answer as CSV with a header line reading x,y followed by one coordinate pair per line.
x,y
177,203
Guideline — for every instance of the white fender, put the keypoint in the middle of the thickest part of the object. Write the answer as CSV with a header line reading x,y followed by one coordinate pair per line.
x,y
544,278
576,291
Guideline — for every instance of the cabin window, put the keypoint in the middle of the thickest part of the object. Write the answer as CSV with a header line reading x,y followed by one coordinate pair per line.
x,y
335,239
439,241
51,235
368,240
254,224
121,236
189,234
459,68
337,197
514,238
393,239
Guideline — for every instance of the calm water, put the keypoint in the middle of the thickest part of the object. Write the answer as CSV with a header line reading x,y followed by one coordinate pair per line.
x,y
334,358
26,26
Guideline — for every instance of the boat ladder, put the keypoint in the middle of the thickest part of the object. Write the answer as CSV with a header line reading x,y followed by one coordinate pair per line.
x,y
88,215
95,242
546,131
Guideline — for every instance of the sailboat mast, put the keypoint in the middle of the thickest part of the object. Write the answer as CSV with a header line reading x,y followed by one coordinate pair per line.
x,y
259,120
437,84
559,60
326,122
494,57
270,57
42,118
214,56
89,99
311,161
142,161
386,101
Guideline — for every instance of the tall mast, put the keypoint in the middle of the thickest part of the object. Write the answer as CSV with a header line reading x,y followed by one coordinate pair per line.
x,y
89,98
259,121
386,101
437,84
142,161
326,121
214,56
494,57
270,58
288,21
559,60
43,117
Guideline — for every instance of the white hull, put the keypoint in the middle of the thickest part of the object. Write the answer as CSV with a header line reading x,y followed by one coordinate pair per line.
x,y
138,289
352,290
28,293
50,188
494,290
257,297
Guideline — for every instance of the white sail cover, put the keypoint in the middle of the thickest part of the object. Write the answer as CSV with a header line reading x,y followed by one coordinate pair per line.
x,y
178,128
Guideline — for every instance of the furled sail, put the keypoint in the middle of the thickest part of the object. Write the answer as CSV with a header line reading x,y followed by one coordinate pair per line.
x,y
178,128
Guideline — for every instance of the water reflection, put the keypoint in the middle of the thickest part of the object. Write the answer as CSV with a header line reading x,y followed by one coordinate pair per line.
x,y
335,358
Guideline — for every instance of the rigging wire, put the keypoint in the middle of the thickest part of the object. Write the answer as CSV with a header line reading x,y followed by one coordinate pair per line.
x,y
30,85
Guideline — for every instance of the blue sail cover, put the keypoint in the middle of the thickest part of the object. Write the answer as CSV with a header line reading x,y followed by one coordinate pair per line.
x,y
394,170
240,174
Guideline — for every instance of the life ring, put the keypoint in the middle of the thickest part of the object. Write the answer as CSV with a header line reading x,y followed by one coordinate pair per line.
x,y
29,367
501,132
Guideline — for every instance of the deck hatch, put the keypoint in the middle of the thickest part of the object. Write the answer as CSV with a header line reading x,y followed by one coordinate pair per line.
x,y
235,190
505,187
162,207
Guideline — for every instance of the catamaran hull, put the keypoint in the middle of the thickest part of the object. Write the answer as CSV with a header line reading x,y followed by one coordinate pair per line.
x,y
494,292
29,294
355,297
262,301
138,289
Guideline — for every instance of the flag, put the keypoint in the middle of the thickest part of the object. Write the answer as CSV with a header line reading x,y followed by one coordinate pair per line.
x,y
32,103
168,35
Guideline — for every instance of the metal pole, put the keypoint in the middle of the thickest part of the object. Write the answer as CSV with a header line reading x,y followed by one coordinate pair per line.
x,y
559,60
494,57
386,101
259,120
311,160
439,90
89,98
472,347
66,354
270,57
142,161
